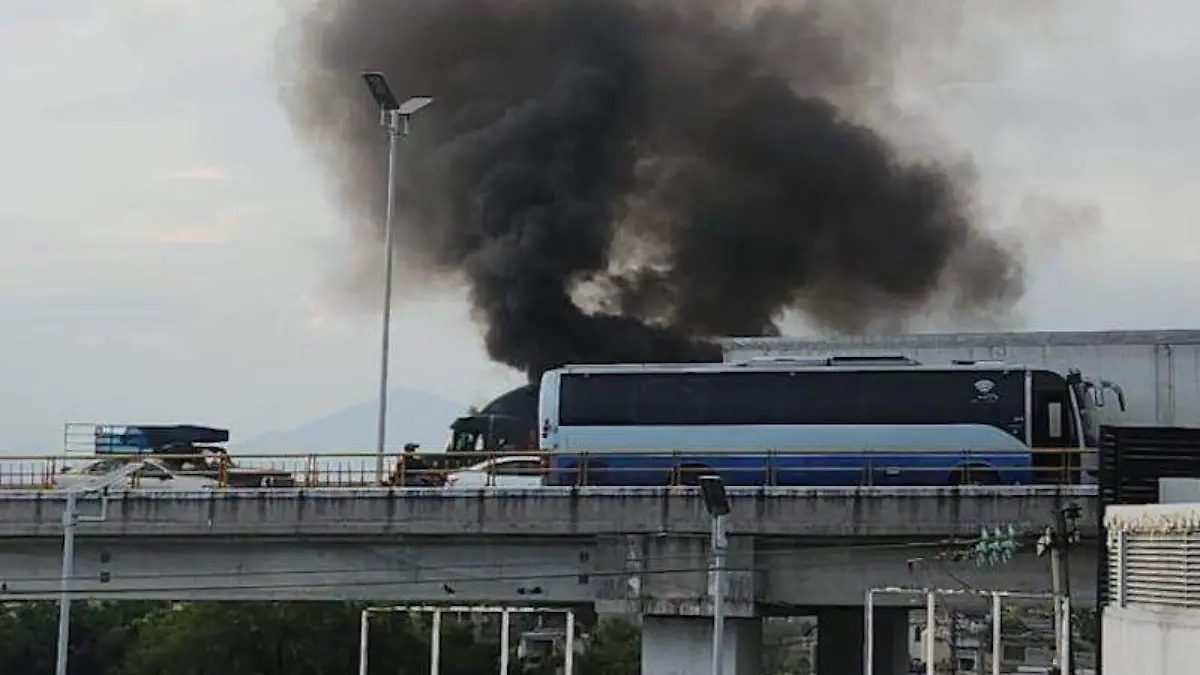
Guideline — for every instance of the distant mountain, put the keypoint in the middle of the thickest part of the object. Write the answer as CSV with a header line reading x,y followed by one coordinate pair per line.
x,y
22,449
413,416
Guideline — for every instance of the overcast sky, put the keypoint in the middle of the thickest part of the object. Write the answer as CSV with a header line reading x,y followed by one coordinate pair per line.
x,y
170,253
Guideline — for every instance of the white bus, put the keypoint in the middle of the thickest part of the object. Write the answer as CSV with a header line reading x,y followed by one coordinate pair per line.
x,y
830,421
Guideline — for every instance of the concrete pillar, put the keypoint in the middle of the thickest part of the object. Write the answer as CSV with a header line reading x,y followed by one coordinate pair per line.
x,y
683,646
840,641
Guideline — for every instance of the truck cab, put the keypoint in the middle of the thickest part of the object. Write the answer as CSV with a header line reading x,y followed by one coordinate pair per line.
x,y
507,425
489,434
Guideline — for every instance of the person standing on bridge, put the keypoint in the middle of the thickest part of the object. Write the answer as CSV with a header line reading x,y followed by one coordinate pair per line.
x,y
412,470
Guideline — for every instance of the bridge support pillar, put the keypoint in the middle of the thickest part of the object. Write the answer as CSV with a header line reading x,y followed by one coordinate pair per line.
x,y
841,637
674,645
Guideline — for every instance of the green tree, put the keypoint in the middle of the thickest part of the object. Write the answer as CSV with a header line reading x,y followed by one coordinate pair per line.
x,y
1085,624
260,638
614,647
27,632
100,634
296,638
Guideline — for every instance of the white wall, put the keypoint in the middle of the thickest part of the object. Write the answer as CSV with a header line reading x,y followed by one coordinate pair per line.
x,y
1151,641
679,645
1160,372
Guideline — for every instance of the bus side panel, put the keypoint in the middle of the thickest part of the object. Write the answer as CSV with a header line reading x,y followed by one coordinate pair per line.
x,y
754,470
824,469
811,438
658,469
817,455
943,466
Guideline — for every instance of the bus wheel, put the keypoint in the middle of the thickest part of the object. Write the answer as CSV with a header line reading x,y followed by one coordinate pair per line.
x,y
689,474
976,474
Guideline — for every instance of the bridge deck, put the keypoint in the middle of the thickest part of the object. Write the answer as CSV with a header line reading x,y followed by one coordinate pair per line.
x,y
786,512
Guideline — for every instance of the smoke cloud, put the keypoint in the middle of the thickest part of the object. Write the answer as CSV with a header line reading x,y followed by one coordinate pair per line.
x,y
619,180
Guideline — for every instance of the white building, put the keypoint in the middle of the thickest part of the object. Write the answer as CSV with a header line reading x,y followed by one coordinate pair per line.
x,y
1152,618
1159,371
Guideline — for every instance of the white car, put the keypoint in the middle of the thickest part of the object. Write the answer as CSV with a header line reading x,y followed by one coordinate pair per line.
x,y
149,475
515,471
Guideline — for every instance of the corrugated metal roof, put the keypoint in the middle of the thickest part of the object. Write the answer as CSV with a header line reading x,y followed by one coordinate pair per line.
x,y
1153,518
1014,339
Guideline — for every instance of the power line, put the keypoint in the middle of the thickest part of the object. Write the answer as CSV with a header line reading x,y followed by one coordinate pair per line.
x,y
445,580
412,564
448,581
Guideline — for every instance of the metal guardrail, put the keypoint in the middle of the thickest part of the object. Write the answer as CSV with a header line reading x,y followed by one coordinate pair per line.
x,y
357,470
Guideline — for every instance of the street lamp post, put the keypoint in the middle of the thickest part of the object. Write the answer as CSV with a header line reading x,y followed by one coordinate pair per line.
x,y
71,519
716,502
393,116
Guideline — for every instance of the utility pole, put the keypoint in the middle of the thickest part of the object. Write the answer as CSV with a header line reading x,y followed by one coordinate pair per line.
x,y
1056,580
1056,541
70,521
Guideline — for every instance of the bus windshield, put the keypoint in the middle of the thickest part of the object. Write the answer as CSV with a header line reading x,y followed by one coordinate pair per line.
x,y
1089,415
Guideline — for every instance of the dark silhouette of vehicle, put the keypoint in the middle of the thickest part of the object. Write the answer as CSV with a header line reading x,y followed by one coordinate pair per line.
x,y
507,425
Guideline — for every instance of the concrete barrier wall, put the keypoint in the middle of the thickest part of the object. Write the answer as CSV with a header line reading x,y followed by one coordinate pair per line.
x,y
1151,641
785,512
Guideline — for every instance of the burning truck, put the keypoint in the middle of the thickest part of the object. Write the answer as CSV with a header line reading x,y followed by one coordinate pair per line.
x,y
506,425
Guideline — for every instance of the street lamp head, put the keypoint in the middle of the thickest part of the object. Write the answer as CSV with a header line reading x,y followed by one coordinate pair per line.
x,y
413,105
715,499
380,91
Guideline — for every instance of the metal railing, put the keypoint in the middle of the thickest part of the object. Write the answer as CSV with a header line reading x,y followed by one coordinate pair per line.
x,y
807,466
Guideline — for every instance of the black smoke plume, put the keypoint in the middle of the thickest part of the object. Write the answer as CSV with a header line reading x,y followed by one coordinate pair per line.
x,y
619,180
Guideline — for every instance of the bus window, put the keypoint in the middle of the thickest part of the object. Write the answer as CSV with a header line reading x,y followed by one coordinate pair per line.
x,y
994,398
1054,413
597,400
1054,431
669,401
1052,424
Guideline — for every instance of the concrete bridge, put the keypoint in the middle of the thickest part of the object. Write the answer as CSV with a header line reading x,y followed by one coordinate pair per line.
x,y
643,550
